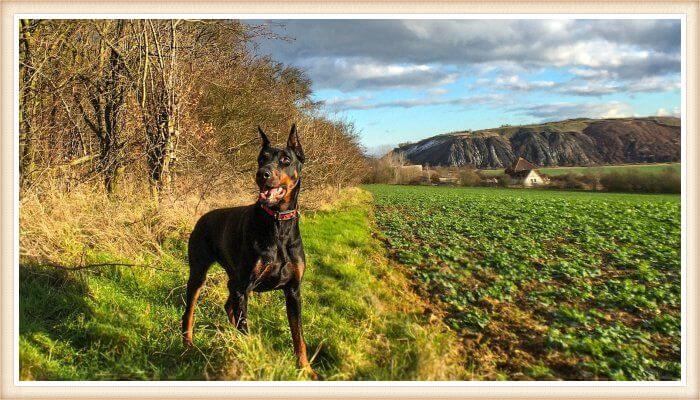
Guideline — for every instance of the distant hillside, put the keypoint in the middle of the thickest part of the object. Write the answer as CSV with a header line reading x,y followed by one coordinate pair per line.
x,y
571,142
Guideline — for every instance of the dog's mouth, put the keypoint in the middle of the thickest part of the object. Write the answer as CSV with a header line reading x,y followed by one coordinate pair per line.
x,y
272,195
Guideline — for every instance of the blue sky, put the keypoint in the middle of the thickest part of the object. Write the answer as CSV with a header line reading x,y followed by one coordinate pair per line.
x,y
405,80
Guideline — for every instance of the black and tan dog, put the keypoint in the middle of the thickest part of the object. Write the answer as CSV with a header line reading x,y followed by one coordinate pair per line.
x,y
258,245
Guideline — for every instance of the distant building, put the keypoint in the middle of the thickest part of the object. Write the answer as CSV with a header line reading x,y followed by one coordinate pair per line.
x,y
524,173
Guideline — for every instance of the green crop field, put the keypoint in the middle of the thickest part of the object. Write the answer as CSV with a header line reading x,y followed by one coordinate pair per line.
x,y
646,168
545,285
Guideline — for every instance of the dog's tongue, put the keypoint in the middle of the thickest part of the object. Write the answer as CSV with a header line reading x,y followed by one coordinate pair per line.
x,y
269,193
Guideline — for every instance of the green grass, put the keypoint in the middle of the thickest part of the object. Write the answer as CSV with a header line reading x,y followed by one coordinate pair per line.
x,y
646,168
122,323
545,285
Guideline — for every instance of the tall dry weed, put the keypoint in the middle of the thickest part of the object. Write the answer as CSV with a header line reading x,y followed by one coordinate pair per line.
x,y
66,227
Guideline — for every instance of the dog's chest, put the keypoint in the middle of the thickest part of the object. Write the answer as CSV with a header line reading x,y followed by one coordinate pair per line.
x,y
278,259
271,275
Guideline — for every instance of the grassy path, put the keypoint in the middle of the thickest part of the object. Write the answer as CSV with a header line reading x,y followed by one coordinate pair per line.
x,y
362,321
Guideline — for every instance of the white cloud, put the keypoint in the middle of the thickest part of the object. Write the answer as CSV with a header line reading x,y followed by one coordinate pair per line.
x,y
566,110
514,83
603,87
595,89
363,103
616,110
349,74
662,112
596,54
590,73
347,103
654,84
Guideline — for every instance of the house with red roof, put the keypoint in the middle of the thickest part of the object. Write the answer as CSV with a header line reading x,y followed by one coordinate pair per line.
x,y
524,173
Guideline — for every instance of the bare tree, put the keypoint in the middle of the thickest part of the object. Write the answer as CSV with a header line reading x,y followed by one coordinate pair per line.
x,y
27,100
157,95
104,99
106,94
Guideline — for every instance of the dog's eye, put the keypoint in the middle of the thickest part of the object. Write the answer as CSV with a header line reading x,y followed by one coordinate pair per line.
x,y
285,160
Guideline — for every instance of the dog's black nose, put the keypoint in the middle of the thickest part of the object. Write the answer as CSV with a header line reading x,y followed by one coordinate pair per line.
x,y
267,174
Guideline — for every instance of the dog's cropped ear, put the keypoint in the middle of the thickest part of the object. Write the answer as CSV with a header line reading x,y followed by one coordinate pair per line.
x,y
263,136
294,143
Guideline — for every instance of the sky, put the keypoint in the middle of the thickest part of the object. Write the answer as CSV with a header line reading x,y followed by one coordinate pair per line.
x,y
405,80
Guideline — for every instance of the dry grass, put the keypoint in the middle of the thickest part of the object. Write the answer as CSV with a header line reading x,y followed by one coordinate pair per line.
x,y
69,226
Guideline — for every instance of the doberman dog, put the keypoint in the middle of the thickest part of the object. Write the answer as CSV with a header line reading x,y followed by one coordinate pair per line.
x,y
258,245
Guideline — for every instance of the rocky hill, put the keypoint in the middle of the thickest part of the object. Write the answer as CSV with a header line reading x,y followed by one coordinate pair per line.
x,y
570,142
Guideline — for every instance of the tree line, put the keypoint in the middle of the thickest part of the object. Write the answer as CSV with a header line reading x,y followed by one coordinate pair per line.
x,y
171,103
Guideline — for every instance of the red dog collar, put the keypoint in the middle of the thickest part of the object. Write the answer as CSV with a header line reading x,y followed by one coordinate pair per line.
x,y
280,215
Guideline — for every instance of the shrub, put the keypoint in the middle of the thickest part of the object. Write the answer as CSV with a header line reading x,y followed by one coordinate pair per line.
x,y
405,175
416,180
434,176
379,171
666,181
469,177
502,180
575,181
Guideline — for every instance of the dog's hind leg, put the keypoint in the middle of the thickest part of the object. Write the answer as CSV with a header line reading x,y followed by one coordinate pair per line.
x,y
200,260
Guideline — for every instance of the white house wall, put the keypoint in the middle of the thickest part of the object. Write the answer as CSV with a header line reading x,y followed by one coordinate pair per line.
x,y
527,182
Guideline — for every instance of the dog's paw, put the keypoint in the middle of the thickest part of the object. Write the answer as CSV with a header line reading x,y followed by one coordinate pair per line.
x,y
311,374
187,342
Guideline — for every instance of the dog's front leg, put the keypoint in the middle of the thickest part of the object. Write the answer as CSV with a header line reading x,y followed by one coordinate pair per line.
x,y
237,308
292,295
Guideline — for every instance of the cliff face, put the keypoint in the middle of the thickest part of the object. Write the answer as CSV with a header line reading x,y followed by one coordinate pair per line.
x,y
571,142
